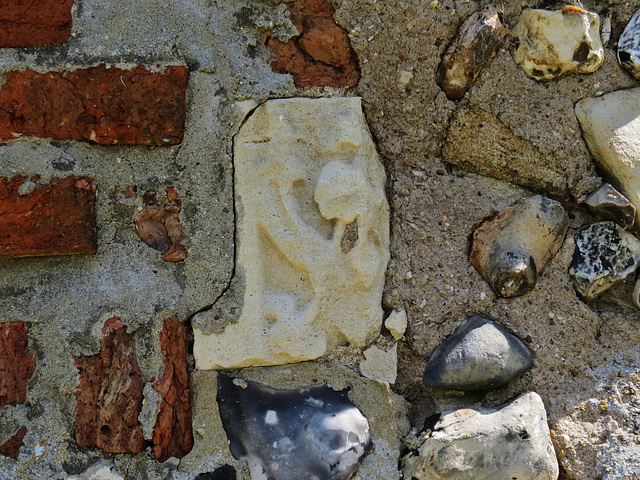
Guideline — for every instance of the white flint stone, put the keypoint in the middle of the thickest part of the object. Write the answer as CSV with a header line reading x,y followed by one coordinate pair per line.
x,y
629,46
507,442
380,365
396,323
312,238
558,42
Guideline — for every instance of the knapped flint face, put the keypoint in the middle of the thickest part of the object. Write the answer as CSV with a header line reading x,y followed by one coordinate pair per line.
x,y
314,433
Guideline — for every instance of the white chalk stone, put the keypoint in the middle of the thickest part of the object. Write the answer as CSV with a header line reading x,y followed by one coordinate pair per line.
x,y
558,42
396,323
380,365
312,238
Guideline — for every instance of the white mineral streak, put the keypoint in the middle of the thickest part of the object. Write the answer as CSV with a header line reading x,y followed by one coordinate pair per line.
x,y
396,323
611,127
558,42
380,365
306,170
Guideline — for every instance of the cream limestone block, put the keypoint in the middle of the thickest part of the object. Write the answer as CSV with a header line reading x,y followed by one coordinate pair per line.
x,y
312,239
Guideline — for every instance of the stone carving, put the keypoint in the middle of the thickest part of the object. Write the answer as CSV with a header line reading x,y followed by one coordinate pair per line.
x,y
312,233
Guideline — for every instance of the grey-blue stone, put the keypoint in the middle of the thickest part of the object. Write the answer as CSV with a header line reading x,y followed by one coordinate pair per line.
x,y
479,355
314,433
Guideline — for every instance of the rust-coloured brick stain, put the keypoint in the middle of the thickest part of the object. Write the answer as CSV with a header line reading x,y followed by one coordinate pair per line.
x,y
11,448
173,435
321,56
57,217
35,22
109,394
97,104
16,365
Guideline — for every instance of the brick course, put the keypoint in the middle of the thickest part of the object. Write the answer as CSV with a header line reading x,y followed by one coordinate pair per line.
x,y
16,365
35,22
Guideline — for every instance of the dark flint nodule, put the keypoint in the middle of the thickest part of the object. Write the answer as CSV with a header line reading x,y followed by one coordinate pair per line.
x,y
312,433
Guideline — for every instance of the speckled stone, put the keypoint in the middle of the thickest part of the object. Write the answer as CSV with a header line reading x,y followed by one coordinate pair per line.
x,y
629,46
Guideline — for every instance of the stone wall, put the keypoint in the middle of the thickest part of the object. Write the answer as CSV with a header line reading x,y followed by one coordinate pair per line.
x,y
303,200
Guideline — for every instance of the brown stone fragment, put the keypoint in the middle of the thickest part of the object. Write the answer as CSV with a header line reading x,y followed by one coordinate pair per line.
x,y
109,394
16,365
173,435
36,22
97,104
47,219
321,56
11,448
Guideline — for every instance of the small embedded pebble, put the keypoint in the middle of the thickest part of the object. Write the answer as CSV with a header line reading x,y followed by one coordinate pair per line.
x,y
396,323
610,203
629,46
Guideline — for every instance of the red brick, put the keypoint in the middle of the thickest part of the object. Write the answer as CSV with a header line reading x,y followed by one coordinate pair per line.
x,y
11,448
16,365
109,394
46,219
98,104
172,434
34,22
321,55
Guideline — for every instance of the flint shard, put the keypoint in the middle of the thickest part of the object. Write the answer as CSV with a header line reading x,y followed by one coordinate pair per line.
x,y
511,248
629,47
604,255
314,432
611,204
478,356
477,41
559,42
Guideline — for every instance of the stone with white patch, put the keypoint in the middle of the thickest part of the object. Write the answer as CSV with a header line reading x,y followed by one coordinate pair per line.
x,y
629,46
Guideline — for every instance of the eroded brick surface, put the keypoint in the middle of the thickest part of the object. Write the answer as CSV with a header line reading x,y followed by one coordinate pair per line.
x,y
98,104
172,435
321,55
11,448
35,22
109,394
16,365
47,218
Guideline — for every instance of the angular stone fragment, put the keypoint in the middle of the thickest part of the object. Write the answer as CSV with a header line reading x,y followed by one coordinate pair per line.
x,y
40,22
478,356
16,365
503,443
477,41
305,170
560,42
109,394
604,255
321,55
396,323
629,46
173,433
611,127
610,203
97,104
46,219
11,448
510,249
379,364
314,432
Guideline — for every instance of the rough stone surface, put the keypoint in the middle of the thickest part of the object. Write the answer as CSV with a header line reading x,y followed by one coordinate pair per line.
x,y
605,254
109,394
44,22
629,47
39,218
555,43
511,441
396,323
11,448
321,54
173,435
305,170
610,203
479,355
97,104
379,364
510,249
16,364
477,41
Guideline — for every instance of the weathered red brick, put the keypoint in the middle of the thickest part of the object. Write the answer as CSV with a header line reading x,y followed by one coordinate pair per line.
x,y
34,22
11,448
321,55
172,434
98,104
16,365
46,219
109,394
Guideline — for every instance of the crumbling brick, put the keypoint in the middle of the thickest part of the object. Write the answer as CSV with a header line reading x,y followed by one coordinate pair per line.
x,y
47,219
97,104
109,394
36,22
11,448
173,435
16,365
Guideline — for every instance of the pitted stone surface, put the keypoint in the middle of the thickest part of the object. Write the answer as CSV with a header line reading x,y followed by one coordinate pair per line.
x,y
306,172
629,46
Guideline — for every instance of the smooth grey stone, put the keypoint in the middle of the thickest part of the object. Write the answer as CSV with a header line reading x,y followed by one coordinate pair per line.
x,y
314,433
478,356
